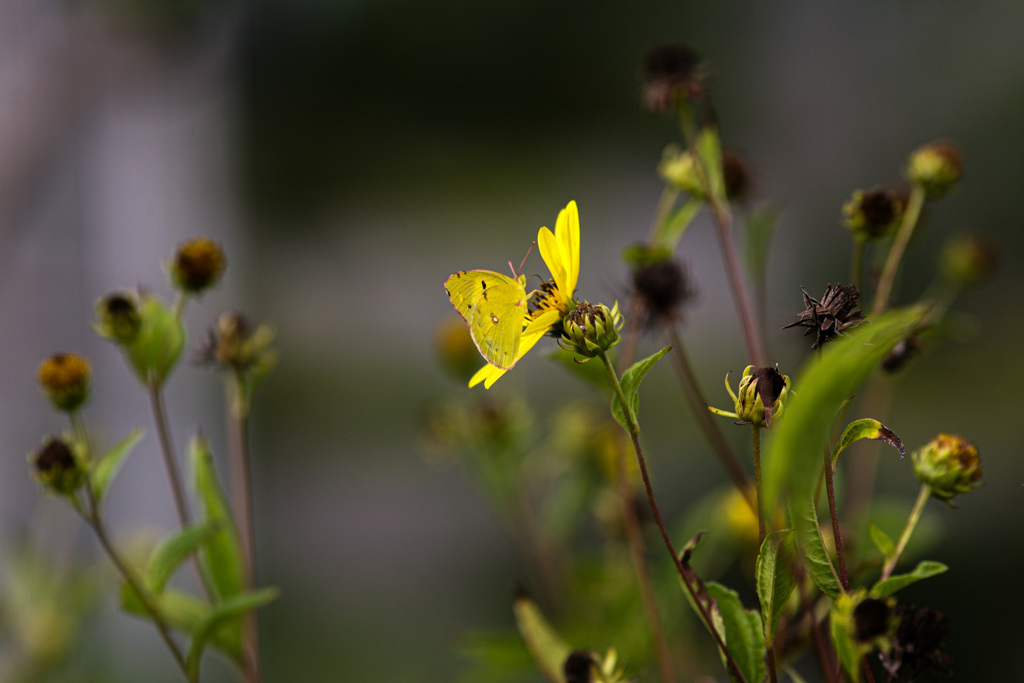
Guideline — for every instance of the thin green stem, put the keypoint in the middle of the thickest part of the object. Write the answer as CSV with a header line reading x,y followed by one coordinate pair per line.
x,y
634,434
757,484
915,517
241,494
834,514
93,517
898,248
708,425
163,431
637,552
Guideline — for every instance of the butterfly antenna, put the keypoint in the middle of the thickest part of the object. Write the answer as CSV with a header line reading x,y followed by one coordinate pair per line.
x,y
514,274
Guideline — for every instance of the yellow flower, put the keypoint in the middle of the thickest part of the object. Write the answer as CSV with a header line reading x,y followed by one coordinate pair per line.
x,y
553,299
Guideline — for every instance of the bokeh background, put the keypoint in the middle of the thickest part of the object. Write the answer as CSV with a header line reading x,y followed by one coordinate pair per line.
x,y
351,155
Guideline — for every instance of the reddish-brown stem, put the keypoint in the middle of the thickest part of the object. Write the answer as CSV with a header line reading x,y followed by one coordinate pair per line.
x,y
836,533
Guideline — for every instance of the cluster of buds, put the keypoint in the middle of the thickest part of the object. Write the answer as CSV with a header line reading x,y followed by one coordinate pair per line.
x,y
872,215
589,330
761,395
949,465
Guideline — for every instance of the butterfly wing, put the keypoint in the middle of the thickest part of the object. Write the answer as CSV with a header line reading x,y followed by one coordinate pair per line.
x,y
494,306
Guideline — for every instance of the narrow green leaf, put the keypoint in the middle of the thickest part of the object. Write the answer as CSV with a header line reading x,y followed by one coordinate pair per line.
x,y
108,465
774,577
846,648
630,382
220,553
923,570
881,540
171,553
867,429
709,148
794,455
812,549
675,227
744,635
547,647
232,610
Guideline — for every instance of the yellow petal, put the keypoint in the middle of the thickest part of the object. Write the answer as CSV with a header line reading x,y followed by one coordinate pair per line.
x,y
551,252
567,231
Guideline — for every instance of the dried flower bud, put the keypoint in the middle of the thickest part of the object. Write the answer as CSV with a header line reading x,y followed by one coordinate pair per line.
x,y
936,168
197,266
672,75
57,468
969,260
762,393
873,214
65,380
832,315
901,354
662,286
871,620
916,643
736,174
949,465
118,317
590,330
579,667
234,343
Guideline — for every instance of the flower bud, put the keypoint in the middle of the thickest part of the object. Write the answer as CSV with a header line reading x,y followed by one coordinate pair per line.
x,y
197,266
936,168
65,380
118,317
873,214
736,174
969,260
57,468
234,343
661,285
579,667
590,330
678,169
949,465
762,393
826,319
672,76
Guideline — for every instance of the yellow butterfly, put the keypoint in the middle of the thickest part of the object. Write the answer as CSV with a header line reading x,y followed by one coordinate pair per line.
x,y
494,306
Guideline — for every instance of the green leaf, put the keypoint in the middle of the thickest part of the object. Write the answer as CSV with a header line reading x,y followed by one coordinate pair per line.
x,y
867,429
709,149
171,553
881,540
231,610
743,632
775,581
794,456
108,465
220,553
547,647
812,549
630,382
848,651
673,229
923,570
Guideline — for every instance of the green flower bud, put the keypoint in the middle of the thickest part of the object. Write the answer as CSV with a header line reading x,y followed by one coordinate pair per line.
x,y
57,467
65,380
590,330
949,465
969,260
936,168
197,266
872,215
118,317
234,343
762,393
679,170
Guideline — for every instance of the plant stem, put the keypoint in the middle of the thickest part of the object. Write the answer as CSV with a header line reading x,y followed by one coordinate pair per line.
x,y
634,434
707,423
241,502
757,484
167,450
833,513
898,248
95,520
637,551
915,516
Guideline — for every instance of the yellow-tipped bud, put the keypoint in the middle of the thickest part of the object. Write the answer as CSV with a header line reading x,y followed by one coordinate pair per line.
x,y
590,330
197,266
65,380
949,465
936,168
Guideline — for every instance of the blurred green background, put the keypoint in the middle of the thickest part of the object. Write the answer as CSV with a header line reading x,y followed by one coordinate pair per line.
x,y
351,155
